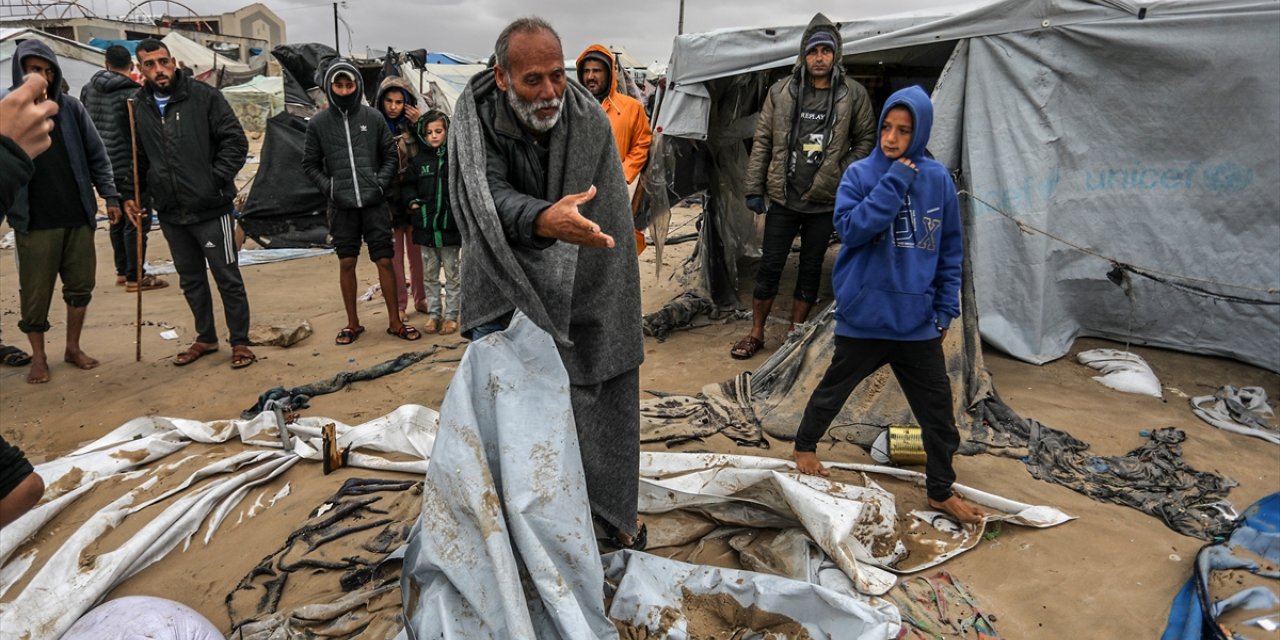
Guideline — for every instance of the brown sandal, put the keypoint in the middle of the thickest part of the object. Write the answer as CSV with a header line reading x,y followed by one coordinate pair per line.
x,y
242,357
746,347
194,352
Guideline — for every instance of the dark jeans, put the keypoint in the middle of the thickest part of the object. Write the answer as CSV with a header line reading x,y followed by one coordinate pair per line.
x,y
124,245
493,326
921,370
781,226
210,245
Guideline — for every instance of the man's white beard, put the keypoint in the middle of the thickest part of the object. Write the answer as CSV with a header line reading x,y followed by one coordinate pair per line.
x,y
527,112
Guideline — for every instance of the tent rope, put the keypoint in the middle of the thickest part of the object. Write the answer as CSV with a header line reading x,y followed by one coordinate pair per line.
x,y
1155,275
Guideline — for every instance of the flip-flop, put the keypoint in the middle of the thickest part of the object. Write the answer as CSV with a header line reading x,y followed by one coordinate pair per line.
x,y
348,335
194,352
14,357
406,332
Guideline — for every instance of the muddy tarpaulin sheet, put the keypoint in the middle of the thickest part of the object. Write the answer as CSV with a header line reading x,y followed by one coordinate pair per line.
x,y
170,503
505,547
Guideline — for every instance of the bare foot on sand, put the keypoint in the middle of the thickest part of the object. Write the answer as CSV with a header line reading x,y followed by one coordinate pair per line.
x,y
79,359
959,509
39,373
807,462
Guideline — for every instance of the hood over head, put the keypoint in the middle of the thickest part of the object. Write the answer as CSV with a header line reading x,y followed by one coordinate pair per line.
x,y
28,48
396,83
346,104
820,31
917,101
420,127
603,54
389,84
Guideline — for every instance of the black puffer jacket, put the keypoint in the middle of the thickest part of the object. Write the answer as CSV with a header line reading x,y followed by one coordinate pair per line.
x,y
105,98
349,154
189,157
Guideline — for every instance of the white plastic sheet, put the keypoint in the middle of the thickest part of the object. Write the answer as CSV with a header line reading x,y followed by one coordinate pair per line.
x,y
651,594
61,589
504,547
846,521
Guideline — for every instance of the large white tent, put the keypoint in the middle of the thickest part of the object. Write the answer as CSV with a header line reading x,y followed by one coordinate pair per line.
x,y
1142,137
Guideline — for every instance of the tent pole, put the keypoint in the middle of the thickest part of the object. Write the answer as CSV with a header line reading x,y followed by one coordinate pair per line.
x,y
335,29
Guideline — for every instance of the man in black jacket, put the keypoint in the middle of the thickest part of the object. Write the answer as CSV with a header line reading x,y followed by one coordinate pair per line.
x,y
190,147
350,156
104,97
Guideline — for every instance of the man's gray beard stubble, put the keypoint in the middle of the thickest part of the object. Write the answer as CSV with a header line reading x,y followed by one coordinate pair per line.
x,y
527,112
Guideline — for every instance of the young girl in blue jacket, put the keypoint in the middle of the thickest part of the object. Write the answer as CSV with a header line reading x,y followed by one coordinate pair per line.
x,y
897,284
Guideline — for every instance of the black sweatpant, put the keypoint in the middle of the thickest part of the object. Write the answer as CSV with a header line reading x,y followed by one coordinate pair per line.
x,y
921,370
124,245
211,243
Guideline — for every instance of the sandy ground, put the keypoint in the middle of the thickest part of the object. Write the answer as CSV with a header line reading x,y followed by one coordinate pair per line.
x,y
1110,573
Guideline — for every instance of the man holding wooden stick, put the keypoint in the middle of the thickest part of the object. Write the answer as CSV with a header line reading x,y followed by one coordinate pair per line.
x,y
190,147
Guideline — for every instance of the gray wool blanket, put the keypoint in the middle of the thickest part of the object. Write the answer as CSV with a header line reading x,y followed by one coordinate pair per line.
x,y
587,299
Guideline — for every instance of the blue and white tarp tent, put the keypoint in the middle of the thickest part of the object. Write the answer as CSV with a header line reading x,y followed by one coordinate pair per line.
x,y
103,43
1126,128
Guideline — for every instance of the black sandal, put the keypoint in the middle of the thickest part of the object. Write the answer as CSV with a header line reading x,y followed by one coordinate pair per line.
x,y
638,542
14,357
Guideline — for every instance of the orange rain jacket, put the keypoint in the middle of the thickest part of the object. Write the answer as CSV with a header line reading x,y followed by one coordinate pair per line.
x,y
630,125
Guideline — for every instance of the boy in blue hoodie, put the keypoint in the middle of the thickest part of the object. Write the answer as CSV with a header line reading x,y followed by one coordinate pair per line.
x,y
897,284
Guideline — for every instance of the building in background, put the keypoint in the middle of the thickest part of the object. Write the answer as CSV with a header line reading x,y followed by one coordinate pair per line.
x,y
238,34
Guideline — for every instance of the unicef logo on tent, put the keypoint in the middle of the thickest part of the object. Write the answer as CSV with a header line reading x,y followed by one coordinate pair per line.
x,y
1227,177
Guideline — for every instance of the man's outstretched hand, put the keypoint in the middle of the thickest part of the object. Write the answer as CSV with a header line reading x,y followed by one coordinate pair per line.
x,y
563,221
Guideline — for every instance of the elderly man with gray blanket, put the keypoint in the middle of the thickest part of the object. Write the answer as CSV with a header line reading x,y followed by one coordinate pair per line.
x,y
546,227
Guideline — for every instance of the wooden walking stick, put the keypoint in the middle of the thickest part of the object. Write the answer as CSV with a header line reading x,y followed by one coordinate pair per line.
x,y
137,229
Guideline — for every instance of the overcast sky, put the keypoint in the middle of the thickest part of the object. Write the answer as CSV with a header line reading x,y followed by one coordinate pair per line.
x,y
644,27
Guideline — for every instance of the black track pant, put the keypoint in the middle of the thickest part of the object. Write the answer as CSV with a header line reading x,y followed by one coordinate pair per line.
x,y
922,373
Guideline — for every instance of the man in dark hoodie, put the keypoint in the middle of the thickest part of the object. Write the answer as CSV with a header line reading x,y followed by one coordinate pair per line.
x,y
105,98
897,282
26,118
54,216
812,125
350,155
187,169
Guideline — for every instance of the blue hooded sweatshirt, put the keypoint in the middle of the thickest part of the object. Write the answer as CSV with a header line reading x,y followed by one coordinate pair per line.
x,y
897,277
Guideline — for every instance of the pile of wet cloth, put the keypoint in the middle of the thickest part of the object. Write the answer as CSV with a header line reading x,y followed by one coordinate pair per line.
x,y
1242,410
720,408
1152,478
295,398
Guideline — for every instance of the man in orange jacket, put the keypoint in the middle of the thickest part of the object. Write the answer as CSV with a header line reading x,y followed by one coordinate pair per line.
x,y
626,114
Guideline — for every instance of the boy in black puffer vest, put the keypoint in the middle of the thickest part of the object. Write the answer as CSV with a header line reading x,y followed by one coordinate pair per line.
x,y
425,191
351,157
